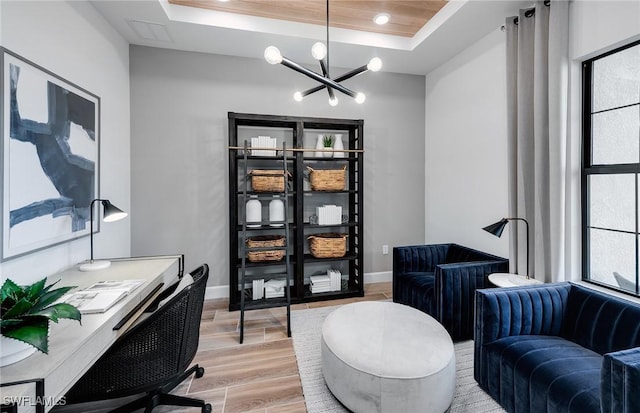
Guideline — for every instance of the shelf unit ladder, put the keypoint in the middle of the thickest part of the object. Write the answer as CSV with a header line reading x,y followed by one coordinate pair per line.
x,y
244,249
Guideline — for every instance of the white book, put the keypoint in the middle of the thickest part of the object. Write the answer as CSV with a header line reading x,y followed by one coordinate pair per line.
x,y
258,289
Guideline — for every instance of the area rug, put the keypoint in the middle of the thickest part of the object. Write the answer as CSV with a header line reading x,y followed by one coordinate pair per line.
x,y
306,326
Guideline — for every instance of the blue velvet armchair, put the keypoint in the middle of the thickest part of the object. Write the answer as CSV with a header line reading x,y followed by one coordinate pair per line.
x,y
558,348
441,280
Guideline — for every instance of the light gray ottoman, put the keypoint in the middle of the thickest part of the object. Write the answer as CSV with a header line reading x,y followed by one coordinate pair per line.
x,y
388,357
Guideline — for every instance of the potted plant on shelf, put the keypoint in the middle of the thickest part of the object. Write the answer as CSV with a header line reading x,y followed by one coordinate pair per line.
x,y
327,143
24,317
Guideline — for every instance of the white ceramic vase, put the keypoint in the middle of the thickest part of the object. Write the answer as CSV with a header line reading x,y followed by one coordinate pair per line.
x,y
253,212
14,351
320,145
338,146
276,211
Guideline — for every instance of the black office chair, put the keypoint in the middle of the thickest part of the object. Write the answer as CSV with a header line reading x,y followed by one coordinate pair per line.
x,y
152,357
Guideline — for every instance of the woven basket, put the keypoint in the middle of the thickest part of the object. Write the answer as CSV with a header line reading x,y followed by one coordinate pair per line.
x,y
327,179
267,180
263,241
329,245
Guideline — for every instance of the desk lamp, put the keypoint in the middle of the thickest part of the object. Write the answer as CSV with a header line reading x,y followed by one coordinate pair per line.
x,y
111,213
497,228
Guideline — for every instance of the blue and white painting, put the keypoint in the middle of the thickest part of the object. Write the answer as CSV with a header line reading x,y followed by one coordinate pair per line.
x,y
50,158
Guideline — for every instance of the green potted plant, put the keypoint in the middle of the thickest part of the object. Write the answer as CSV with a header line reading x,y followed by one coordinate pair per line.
x,y
25,314
327,143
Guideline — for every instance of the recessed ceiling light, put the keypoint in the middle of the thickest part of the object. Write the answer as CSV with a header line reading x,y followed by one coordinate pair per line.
x,y
381,18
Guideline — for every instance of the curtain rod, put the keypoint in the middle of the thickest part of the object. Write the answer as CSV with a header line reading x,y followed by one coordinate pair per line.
x,y
528,13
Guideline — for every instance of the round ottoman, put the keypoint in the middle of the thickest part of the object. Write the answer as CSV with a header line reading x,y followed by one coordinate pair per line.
x,y
387,357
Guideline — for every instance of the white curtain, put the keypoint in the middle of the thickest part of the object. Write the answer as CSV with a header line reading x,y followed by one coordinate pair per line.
x,y
538,141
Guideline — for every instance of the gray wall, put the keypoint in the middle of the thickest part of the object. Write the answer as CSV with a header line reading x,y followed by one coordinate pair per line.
x,y
179,138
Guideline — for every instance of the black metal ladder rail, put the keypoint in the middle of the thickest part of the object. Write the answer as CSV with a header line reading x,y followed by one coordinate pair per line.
x,y
243,246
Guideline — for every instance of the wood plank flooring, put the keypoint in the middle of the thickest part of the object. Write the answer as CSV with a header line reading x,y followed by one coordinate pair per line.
x,y
259,376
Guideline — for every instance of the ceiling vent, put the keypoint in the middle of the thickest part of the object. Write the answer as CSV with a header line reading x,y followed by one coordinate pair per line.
x,y
150,31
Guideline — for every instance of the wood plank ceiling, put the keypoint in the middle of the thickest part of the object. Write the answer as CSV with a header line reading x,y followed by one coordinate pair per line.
x,y
407,17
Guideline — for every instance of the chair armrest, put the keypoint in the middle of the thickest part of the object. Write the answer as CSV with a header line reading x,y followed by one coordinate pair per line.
x,y
455,286
620,381
418,258
502,312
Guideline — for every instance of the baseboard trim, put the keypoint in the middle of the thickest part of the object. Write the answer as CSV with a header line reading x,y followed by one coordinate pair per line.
x,y
219,291
222,291
377,277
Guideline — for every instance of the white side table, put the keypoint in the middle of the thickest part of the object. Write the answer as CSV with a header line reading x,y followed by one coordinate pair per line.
x,y
503,279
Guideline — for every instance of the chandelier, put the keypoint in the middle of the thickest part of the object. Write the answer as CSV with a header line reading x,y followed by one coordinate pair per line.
x,y
320,52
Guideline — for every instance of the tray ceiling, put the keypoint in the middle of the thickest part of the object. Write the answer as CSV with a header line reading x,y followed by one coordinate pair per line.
x,y
407,17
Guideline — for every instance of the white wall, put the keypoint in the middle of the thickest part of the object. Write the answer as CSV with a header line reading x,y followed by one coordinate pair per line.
x,y
466,147
599,26
179,104
74,41
466,182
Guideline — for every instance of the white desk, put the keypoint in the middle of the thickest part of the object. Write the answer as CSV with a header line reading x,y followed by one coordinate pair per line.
x,y
502,279
73,348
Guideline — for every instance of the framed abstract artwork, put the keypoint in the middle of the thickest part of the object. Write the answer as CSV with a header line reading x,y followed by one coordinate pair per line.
x,y
49,154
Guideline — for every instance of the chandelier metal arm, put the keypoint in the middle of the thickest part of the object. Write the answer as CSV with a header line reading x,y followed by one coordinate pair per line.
x,y
353,73
315,76
325,73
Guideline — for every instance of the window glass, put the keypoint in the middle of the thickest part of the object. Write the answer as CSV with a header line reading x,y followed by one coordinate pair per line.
x,y
612,203
616,136
611,252
616,79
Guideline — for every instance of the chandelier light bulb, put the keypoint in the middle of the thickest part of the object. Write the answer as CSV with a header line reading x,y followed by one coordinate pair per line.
x,y
360,98
318,50
381,18
272,55
374,64
297,97
334,101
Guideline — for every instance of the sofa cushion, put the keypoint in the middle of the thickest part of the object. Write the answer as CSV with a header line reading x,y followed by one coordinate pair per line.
x,y
543,374
601,322
416,290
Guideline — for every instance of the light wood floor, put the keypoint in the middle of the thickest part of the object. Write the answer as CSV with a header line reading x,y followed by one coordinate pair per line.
x,y
261,375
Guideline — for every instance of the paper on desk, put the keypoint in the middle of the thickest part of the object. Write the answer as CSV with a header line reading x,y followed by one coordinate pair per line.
x,y
102,295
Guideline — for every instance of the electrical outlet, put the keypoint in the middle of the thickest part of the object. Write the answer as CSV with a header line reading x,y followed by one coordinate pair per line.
x,y
385,249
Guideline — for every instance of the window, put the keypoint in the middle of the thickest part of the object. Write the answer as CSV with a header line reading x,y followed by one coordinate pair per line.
x,y
611,169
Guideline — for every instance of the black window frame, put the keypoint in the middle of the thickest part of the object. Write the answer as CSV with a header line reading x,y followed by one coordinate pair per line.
x,y
588,169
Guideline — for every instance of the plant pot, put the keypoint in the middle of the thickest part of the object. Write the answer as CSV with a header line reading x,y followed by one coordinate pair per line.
x,y
14,351
327,154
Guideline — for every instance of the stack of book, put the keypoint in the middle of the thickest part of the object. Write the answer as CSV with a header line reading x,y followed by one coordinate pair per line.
x,y
274,288
336,279
263,142
258,289
320,284
329,215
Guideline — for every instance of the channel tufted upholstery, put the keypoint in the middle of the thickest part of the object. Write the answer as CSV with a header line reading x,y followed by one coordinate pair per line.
x,y
558,348
441,280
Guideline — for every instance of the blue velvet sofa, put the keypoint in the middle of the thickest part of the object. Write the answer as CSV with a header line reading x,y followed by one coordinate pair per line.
x,y
558,348
441,280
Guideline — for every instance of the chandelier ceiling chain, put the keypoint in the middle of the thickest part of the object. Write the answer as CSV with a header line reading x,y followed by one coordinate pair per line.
x,y
320,52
